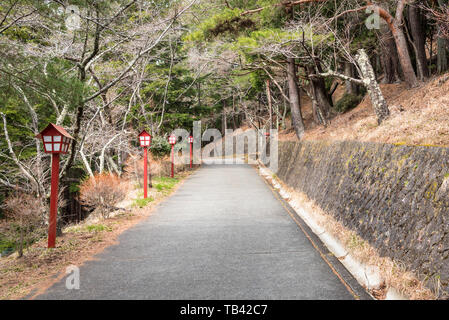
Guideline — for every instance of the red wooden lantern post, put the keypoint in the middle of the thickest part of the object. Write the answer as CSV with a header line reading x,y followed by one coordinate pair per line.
x,y
191,150
172,141
56,141
145,142
267,136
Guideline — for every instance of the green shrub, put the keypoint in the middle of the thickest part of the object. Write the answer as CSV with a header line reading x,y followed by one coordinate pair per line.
x,y
98,228
160,146
348,102
6,245
164,183
142,202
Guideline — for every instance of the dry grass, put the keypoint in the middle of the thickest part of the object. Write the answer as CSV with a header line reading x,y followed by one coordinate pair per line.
x,y
392,272
39,268
419,116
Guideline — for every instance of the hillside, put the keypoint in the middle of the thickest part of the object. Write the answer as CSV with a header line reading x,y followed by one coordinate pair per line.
x,y
419,116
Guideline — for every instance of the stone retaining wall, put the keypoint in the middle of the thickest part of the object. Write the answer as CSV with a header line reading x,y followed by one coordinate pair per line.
x,y
395,197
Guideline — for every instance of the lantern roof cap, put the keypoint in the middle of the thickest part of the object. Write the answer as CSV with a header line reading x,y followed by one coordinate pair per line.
x,y
144,133
52,127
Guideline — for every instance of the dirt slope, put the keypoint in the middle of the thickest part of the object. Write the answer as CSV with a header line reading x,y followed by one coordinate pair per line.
x,y
419,116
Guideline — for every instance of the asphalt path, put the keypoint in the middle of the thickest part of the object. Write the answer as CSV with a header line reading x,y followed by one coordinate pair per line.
x,y
224,234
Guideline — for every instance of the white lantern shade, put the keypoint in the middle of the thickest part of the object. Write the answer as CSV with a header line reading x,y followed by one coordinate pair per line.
x,y
56,144
144,139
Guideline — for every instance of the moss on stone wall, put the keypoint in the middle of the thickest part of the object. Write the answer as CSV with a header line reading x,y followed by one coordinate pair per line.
x,y
396,197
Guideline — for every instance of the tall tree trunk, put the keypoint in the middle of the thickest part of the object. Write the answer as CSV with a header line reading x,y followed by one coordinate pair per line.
x,y
223,119
390,59
270,106
323,98
404,56
199,93
234,124
379,104
294,97
395,25
442,46
351,88
284,110
417,23
320,98
21,241
442,56
277,117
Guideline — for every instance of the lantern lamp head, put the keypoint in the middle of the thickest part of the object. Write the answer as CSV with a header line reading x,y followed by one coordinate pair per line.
x,y
145,139
190,139
172,139
267,134
55,138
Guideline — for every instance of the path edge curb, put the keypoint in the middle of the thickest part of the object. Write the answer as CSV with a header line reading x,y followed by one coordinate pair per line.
x,y
340,258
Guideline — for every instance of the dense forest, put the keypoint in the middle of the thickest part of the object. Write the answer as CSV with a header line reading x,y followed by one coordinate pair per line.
x,y
105,70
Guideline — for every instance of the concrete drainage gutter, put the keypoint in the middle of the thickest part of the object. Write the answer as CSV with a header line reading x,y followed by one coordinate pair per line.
x,y
367,275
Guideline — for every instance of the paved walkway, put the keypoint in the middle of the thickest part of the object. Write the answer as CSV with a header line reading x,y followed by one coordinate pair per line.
x,y
222,235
